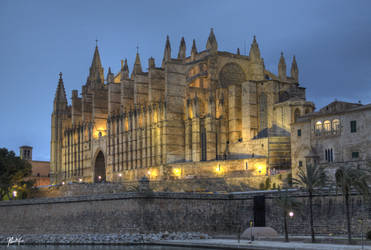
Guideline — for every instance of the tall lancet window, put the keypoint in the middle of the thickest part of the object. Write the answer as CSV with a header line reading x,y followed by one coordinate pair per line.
x,y
203,141
263,117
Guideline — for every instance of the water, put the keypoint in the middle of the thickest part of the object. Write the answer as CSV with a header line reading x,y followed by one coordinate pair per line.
x,y
89,247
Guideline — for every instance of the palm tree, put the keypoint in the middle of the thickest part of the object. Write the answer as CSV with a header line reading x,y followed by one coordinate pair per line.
x,y
286,203
347,178
310,177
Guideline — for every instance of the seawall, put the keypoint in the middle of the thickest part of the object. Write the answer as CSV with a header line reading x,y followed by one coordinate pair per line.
x,y
176,212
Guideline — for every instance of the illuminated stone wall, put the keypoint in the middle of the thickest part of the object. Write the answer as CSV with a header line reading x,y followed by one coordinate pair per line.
x,y
207,107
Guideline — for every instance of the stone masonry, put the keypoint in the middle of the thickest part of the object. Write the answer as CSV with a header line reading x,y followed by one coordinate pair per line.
x,y
174,212
206,107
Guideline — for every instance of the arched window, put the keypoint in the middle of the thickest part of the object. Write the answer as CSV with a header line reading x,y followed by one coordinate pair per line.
x,y
335,125
263,119
318,127
231,74
327,126
203,142
296,114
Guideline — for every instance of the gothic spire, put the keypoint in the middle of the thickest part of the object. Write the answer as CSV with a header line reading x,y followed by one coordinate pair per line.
x,y
60,99
96,59
124,70
282,68
294,69
254,50
110,76
96,76
167,51
212,44
182,49
137,66
194,48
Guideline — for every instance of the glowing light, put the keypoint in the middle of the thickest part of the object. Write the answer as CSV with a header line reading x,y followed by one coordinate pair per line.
x,y
177,172
261,169
80,180
99,177
63,183
99,131
291,214
14,193
120,174
152,173
219,169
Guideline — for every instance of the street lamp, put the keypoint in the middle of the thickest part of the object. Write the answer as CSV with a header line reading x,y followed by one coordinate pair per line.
x,y
14,193
291,214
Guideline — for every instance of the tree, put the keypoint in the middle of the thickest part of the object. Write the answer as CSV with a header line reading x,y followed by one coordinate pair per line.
x,y
348,177
287,204
310,177
13,171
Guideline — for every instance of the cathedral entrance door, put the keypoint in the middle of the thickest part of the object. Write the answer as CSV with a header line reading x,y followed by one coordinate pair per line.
x,y
100,168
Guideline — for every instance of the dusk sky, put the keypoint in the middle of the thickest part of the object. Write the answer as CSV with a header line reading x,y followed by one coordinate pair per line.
x,y
39,39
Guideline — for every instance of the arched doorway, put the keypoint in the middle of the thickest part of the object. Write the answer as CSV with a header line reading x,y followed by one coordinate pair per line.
x,y
100,168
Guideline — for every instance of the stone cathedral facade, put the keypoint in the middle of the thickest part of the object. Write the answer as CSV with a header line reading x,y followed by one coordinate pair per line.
x,y
210,114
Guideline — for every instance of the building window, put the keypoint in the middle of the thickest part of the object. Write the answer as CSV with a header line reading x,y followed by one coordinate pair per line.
x,y
355,155
299,132
335,125
327,126
329,155
300,163
353,126
318,127
296,114
263,115
203,143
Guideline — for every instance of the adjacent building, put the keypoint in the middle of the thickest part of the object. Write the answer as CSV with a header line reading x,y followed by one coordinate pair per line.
x,y
338,134
208,114
40,169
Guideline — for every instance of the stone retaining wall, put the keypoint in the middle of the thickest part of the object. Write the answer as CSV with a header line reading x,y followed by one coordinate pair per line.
x,y
173,212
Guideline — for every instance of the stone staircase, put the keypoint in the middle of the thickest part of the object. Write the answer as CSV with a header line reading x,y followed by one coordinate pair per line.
x,y
279,152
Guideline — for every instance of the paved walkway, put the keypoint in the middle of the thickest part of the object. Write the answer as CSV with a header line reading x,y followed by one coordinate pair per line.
x,y
245,244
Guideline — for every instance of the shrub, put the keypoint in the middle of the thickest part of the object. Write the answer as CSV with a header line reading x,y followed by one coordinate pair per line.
x,y
368,235
268,183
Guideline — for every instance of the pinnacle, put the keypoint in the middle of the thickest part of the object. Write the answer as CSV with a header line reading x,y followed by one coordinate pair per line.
x,y
211,41
194,45
137,65
60,94
182,42
126,67
96,59
167,42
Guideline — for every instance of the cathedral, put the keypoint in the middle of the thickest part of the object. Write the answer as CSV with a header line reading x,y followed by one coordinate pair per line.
x,y
210,114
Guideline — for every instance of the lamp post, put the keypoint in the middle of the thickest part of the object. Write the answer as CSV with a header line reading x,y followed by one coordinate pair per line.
x,y
14,193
